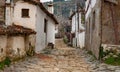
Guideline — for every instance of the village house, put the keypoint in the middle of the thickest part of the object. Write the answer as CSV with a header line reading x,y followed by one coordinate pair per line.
x,y
15,41
77,30
102,25
26,27
32,14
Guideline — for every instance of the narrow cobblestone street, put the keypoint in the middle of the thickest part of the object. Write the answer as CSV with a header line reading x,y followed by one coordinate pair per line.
x,y
61,59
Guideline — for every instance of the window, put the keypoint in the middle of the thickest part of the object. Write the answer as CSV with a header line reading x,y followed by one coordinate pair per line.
x,y
45,25
93,20
25,13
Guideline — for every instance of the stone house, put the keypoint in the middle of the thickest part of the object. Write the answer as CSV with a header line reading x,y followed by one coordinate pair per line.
x,y
32,14
16,41
102,24
77,29
25,38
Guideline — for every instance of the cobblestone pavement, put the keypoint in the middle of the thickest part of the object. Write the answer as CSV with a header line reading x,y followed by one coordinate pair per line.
x,y
61,59
96,66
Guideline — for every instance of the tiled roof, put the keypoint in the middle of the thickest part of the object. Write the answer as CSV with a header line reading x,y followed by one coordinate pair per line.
x,y
3,28
15,30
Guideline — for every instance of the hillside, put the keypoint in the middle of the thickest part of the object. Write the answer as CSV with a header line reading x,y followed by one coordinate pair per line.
x,y
62,8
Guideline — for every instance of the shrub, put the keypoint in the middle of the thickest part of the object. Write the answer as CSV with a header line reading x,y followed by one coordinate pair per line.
x,y
112,60
65,39
7,62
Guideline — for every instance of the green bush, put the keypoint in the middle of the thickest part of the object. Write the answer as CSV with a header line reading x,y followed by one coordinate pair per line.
x,y
65,39
112,60
7,62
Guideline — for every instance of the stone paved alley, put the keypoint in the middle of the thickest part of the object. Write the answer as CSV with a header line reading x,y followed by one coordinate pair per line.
x,y
61,59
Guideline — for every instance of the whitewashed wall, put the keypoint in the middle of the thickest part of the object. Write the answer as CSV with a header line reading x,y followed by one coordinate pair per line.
x,y
82,39
44,38
27,22
79,36
8,16
51,32
41,37
19,45
73,24
92,4
3,44
16,47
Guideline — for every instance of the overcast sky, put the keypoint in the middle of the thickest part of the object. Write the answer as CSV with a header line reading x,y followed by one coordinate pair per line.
x,y
45,0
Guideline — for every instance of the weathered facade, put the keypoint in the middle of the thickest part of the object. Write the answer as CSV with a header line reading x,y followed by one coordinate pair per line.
x,y
77,29
13,42
2,9
102,24
32,14
21,35
3,42
26,27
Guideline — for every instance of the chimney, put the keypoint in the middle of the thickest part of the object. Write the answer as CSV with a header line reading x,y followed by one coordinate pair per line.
x,y
51,8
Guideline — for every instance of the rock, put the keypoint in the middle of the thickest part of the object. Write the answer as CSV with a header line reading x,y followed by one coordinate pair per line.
x,y
56,69
117,70
112,68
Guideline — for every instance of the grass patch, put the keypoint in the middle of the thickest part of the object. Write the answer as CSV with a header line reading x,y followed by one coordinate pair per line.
x,y
113,61
4,63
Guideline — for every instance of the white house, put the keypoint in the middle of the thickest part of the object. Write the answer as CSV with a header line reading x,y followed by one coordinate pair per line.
x,y
32,14
78,30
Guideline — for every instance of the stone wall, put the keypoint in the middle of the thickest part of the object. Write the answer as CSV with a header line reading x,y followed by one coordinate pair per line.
x,y
111,23
2,9
93,30
110,50
16,47
106,29
3,43
30,44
